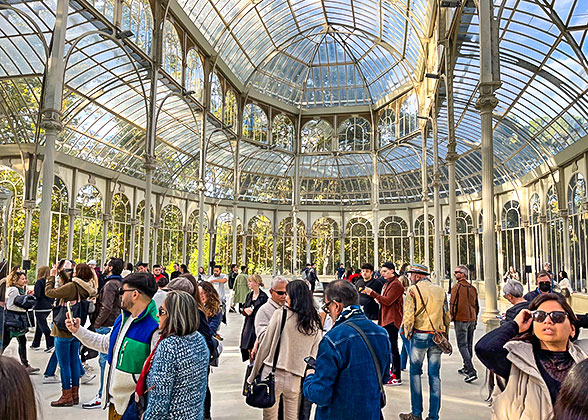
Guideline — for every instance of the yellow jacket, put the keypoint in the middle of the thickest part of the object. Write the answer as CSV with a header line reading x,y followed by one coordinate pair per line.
x,y
435,300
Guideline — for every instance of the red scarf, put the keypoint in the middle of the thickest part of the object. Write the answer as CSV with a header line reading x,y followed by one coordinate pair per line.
x,y
142,382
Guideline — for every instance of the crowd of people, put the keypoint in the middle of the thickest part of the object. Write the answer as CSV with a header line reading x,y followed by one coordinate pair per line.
x,y
158,337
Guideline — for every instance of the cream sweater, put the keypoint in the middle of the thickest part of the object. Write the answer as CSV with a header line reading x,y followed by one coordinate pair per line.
x,y
294,347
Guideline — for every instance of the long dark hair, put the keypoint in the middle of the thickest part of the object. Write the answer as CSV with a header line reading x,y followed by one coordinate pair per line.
x,y
302,303
571,403
528,335
17,399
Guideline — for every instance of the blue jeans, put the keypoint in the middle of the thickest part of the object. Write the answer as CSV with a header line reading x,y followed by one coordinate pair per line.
x,y
422,344
102,359
405,354
52,366
68,355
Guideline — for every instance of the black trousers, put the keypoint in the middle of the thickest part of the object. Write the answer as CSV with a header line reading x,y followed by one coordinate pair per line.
x,y
42,329
393,335
22,345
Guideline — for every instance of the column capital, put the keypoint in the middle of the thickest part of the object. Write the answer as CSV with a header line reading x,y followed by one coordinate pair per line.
x,y
451,157
436,179
73,212
564,213
149,162
526,224
487,101
410,234
134,222
29,204
156,225
185,228
106,217
498,227
543,218
585,207
51,120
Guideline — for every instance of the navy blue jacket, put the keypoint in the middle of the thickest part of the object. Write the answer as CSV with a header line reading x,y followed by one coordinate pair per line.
x,y
43,302
345,385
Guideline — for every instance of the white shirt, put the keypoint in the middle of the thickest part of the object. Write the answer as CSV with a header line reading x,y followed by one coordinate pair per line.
x,y
220,287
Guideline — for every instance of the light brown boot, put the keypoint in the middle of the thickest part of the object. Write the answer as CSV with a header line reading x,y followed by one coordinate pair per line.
x,y
65,400
75,394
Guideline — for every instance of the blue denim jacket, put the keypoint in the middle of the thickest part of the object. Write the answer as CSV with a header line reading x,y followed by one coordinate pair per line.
x,y
345,385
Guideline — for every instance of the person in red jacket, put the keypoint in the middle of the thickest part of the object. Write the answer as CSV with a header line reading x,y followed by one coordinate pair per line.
x,y
390,316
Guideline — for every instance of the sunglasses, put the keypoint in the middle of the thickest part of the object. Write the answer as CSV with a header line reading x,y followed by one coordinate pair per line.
x,y
162,311
557,317
325,307
281,293
122,291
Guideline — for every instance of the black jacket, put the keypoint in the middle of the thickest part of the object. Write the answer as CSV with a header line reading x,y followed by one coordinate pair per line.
x,y
371,308
44,303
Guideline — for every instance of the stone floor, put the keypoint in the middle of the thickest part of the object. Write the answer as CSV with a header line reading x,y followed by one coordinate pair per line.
x,y
460,400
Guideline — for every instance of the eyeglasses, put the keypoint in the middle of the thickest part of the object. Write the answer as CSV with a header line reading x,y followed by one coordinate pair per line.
x,y
122,291
557,317
325,307
162,311
279,292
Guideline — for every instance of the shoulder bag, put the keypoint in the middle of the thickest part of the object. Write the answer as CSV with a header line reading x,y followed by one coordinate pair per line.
x,y
439,338
374,358
261,393
61,315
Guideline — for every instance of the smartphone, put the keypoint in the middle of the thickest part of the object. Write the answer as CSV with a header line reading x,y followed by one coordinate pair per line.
x,y
310,362
69,311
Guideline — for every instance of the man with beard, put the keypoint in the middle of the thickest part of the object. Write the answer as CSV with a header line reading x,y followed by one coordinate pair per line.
x,y
129,343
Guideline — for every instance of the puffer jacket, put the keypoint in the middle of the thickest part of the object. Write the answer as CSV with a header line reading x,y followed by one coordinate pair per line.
x,y
68,292
526,396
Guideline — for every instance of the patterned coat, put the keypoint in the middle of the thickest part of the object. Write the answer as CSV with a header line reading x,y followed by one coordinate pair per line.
x,y
179,375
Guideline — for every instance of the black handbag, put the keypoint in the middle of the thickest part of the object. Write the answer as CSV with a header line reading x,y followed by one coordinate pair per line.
x,y
61,316
262,393
375,359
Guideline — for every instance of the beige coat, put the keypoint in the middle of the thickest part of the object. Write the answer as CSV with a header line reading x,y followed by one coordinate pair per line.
x,y
526,396
294,347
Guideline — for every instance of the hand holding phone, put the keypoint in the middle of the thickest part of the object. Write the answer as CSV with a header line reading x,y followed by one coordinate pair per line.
x,y
310,362
69,311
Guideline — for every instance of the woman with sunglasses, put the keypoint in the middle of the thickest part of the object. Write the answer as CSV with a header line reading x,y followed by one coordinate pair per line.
x,y
300,338
174,376
533,353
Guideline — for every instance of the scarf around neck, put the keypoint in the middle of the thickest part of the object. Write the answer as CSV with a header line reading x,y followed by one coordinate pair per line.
x,y
348,312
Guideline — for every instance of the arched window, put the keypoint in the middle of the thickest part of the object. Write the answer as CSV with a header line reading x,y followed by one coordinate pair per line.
x,y
193,232
387,127
512,237
325,245
216,96
578,232
138,18
105,7
194,74
59,220
230,109
555,231
355,134
393,241
283,132
285,248
224,241
15,230
535,209
119,234
408,115
536,231
254,123
140,229
88,225
466,242
316,136
170,238
419,240
260,243
172,52
359,242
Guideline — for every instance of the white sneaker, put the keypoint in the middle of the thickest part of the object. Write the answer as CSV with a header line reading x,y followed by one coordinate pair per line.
x,y
51,379
87,367
95,402
87,377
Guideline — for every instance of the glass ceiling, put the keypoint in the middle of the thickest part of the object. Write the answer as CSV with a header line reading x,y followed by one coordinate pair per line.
x,y
323,54
317,53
